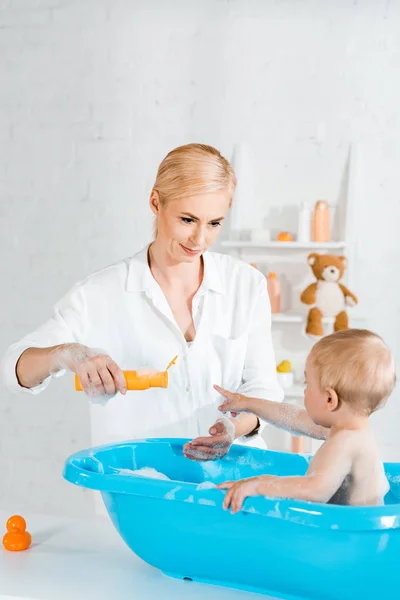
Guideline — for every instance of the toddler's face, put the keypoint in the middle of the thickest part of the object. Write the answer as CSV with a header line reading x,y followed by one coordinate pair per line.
x,y
314,397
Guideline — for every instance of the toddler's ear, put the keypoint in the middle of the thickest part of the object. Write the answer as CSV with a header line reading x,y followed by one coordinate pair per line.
x,y
332,399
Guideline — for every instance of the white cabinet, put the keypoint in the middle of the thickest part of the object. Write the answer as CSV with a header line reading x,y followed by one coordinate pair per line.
x,y
289,261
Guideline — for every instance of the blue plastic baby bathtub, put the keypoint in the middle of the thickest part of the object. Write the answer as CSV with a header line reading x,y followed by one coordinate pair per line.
x,y
285,548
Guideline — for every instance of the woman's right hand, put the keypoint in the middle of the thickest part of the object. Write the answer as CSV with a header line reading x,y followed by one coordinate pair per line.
x,y
98,373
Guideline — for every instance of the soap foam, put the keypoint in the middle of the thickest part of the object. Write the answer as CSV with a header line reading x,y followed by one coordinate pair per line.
x,y
206,485
146,371
147,472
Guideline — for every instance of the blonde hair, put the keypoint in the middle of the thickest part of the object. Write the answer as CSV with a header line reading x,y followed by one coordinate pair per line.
x,y
193,169
358,365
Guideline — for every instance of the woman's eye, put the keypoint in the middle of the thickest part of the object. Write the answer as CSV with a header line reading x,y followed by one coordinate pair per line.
x,y
215,223
187,220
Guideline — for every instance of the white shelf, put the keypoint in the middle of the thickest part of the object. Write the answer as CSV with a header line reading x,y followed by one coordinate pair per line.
x,y
296,318
287,318
296,391
284,245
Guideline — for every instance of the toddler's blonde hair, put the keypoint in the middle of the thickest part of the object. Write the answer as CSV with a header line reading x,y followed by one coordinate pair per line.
x,y
193,169
358,365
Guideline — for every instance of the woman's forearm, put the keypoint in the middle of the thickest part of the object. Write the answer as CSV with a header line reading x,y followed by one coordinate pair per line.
x,y
97,372
286,416
34,365
245,424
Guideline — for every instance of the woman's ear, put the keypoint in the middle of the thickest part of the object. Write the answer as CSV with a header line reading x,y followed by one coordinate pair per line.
x,y
332,399
155,202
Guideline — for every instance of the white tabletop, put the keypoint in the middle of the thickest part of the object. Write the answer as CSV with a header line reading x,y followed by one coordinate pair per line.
x,y
72,559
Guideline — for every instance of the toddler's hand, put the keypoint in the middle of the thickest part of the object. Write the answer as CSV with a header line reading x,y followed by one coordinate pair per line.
x,y
238,491
234,403
97,372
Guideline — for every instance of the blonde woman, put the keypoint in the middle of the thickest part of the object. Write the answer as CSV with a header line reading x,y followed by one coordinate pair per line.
x,y
172,298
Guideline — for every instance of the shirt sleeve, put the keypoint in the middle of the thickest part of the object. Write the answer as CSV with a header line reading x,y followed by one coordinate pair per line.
x,y
259,378
67,325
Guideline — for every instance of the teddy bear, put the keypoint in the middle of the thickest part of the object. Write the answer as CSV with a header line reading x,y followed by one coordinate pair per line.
x,y
329,297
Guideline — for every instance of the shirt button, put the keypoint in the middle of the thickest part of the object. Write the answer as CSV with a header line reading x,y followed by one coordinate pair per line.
x,y
188,388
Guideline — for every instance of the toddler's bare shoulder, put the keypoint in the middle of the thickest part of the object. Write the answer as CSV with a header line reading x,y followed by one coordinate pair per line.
x,y
347,437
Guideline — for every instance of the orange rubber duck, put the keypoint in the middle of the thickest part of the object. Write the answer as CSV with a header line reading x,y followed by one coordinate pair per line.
x,y
16,538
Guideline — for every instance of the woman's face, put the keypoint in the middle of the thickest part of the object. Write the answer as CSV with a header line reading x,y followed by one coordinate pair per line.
x,y
189,226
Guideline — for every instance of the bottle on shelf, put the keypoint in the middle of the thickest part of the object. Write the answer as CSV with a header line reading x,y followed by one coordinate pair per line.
x,y
321,222
297,444
284,236
304,225
285,374
274,292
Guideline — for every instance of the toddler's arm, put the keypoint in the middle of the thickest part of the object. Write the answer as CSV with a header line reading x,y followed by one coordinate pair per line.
x,y
285,416
326,473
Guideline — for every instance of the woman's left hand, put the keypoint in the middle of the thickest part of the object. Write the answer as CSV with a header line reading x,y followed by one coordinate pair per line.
x,y
238,491
222,435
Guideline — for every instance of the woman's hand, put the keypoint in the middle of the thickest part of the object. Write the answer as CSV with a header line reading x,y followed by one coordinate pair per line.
x,y
222,435
98,373
238,491
234,403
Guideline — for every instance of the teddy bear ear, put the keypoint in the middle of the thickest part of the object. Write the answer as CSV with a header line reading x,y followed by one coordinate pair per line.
x,y
312,258
344,260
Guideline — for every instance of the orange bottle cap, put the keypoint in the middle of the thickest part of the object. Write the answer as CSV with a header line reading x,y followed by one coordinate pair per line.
x,y
159,379
272,274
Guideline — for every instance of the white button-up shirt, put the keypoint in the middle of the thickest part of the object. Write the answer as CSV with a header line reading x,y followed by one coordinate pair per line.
x,y
122,310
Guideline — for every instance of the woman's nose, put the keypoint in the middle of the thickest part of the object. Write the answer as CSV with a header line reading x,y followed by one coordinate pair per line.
x,y
199,236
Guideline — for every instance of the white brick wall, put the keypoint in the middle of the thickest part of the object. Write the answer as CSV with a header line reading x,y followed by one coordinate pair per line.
x,y
93,93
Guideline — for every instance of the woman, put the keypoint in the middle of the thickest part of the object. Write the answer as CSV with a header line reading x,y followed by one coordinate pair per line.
x,y
172,298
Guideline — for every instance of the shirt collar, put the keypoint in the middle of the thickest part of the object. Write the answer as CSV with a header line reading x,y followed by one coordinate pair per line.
x,y
139,274
140,278
212,278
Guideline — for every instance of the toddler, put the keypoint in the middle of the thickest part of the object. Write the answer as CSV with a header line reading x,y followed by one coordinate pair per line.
x,y
349,375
